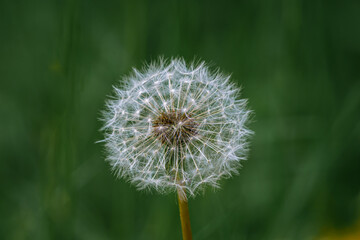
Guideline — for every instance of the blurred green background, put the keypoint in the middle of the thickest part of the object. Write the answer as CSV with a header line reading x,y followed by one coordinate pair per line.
x,y
297,61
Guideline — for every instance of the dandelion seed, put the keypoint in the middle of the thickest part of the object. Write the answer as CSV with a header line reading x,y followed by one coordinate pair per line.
x,y
183,118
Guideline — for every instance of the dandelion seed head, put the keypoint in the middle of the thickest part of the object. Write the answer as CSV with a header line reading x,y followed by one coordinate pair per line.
x,y
176,126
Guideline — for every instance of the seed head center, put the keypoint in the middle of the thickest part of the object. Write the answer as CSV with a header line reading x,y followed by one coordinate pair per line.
x,y
174,128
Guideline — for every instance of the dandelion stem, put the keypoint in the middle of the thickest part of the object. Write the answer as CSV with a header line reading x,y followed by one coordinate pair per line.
x,y
184,215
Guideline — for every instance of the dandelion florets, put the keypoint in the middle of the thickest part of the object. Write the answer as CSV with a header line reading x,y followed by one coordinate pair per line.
x,y
176,126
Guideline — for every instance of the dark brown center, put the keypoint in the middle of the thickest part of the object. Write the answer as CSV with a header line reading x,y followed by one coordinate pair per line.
x,y
174,128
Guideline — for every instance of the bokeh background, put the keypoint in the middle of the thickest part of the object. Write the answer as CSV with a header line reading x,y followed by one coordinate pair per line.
x,y
298,63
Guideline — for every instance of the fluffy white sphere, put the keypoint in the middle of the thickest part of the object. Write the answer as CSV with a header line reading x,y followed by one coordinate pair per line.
x,y
176,126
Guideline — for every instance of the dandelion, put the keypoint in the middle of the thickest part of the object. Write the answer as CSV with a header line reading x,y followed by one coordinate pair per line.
x,y
176,127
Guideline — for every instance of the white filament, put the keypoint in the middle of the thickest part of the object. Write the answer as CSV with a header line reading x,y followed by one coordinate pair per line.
x,y
215,151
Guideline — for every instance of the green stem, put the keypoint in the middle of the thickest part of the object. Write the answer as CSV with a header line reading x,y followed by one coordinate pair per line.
x,y
184,215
